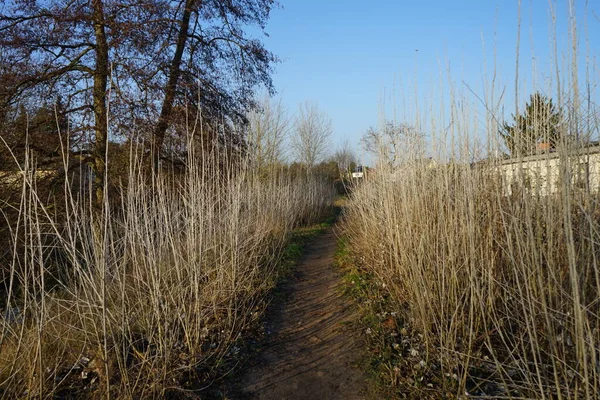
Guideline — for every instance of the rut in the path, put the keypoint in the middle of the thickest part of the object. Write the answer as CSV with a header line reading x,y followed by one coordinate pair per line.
x,y
312,349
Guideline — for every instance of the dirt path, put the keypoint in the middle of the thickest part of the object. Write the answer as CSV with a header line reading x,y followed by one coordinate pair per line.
x,y
312,349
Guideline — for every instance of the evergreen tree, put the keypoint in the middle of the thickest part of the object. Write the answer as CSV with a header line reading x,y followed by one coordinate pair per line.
x,y
540,123
44,132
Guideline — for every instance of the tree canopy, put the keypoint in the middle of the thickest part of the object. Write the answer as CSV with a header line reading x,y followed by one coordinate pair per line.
x,y
311,139
124,67
539,123
44,133
394,143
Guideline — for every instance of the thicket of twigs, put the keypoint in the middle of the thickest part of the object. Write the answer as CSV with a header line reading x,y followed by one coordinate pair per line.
x,y
494,277
147,297
503,290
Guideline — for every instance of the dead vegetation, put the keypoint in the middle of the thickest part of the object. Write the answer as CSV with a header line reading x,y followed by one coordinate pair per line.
x,y
147,298
492,295
494,288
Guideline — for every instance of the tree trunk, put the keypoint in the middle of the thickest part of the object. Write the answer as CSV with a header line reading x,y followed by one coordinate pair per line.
x,y
101,74
174,73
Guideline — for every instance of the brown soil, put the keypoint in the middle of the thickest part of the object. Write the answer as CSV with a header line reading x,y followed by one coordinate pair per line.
x,y
312,346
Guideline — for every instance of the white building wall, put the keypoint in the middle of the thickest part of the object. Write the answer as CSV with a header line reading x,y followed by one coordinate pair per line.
x,y
544,175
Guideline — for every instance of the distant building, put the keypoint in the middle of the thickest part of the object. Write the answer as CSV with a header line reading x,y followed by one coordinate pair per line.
x,y
547,172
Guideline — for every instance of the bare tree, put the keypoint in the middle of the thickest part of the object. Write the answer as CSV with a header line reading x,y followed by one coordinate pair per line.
x,y
312,135
344,157
148,59
394,143
267,129
48,50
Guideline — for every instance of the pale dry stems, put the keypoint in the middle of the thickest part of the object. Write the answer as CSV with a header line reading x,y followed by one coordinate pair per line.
x,y
145,298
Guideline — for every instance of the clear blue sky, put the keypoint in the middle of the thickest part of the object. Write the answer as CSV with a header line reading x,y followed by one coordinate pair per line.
x,y
343,54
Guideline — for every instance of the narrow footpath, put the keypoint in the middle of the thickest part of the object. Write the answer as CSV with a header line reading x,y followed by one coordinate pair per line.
x,y
312,348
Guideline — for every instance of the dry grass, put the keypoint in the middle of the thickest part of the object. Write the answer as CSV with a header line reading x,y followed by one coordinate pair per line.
x,y
145,299
497,293
503,290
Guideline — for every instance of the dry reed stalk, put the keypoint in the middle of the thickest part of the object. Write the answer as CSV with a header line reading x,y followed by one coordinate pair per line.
x,y
504,288
144,298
